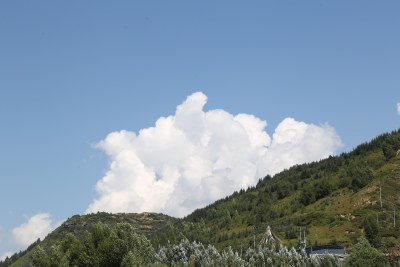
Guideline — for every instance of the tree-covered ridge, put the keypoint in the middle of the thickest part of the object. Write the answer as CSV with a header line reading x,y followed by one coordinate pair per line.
x,y
121,246
101,246
330,199
143,223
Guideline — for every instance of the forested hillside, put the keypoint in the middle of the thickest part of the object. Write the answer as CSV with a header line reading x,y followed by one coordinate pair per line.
x,y
335,201
145,223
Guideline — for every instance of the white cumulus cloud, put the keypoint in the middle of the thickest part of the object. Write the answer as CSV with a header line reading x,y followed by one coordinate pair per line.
x,y
38,226
194,157
398,108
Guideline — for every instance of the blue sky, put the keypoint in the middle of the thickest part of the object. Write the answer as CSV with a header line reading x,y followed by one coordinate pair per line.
x,y
73,72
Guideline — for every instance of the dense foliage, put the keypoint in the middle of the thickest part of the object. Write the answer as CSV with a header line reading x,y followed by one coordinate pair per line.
x,y
102,246
364,255
196,254
121,246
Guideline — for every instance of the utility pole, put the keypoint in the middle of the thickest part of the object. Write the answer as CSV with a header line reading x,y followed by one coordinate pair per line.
x,y
380,193
300,239
303,242
394,218
254,237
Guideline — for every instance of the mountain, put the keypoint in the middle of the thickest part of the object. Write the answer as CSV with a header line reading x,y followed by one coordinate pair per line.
x,y
144,223
332,201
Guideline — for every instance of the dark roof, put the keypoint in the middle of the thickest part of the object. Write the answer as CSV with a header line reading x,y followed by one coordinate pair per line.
x,y
326,249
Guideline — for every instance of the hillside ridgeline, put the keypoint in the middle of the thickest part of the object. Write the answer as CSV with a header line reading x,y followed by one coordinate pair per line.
x,y
335,201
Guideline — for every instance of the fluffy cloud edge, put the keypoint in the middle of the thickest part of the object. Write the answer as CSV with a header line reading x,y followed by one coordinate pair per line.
x,y
37,226
5,255
194,157
398,108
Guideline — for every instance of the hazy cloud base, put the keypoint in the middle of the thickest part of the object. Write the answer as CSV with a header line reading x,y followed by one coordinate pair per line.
x,y
38,226
195,157
5,255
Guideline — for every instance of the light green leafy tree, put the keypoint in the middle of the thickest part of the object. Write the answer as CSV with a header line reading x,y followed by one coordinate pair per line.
x,y
363,254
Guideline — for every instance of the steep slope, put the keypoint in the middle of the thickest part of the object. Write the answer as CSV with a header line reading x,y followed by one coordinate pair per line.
x,y
333,200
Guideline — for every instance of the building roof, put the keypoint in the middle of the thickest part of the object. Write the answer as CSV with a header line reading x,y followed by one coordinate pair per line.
x,y
326,249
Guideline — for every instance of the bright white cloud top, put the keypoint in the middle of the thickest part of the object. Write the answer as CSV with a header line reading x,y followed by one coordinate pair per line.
x,y
195,157
38,226
398,108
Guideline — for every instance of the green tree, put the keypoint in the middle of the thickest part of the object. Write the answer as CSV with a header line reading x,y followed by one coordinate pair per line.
x,y
131,260
40,257
135,243
360,175
102,246
307,196
363,255
99,232
388,151
371,229
57,256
